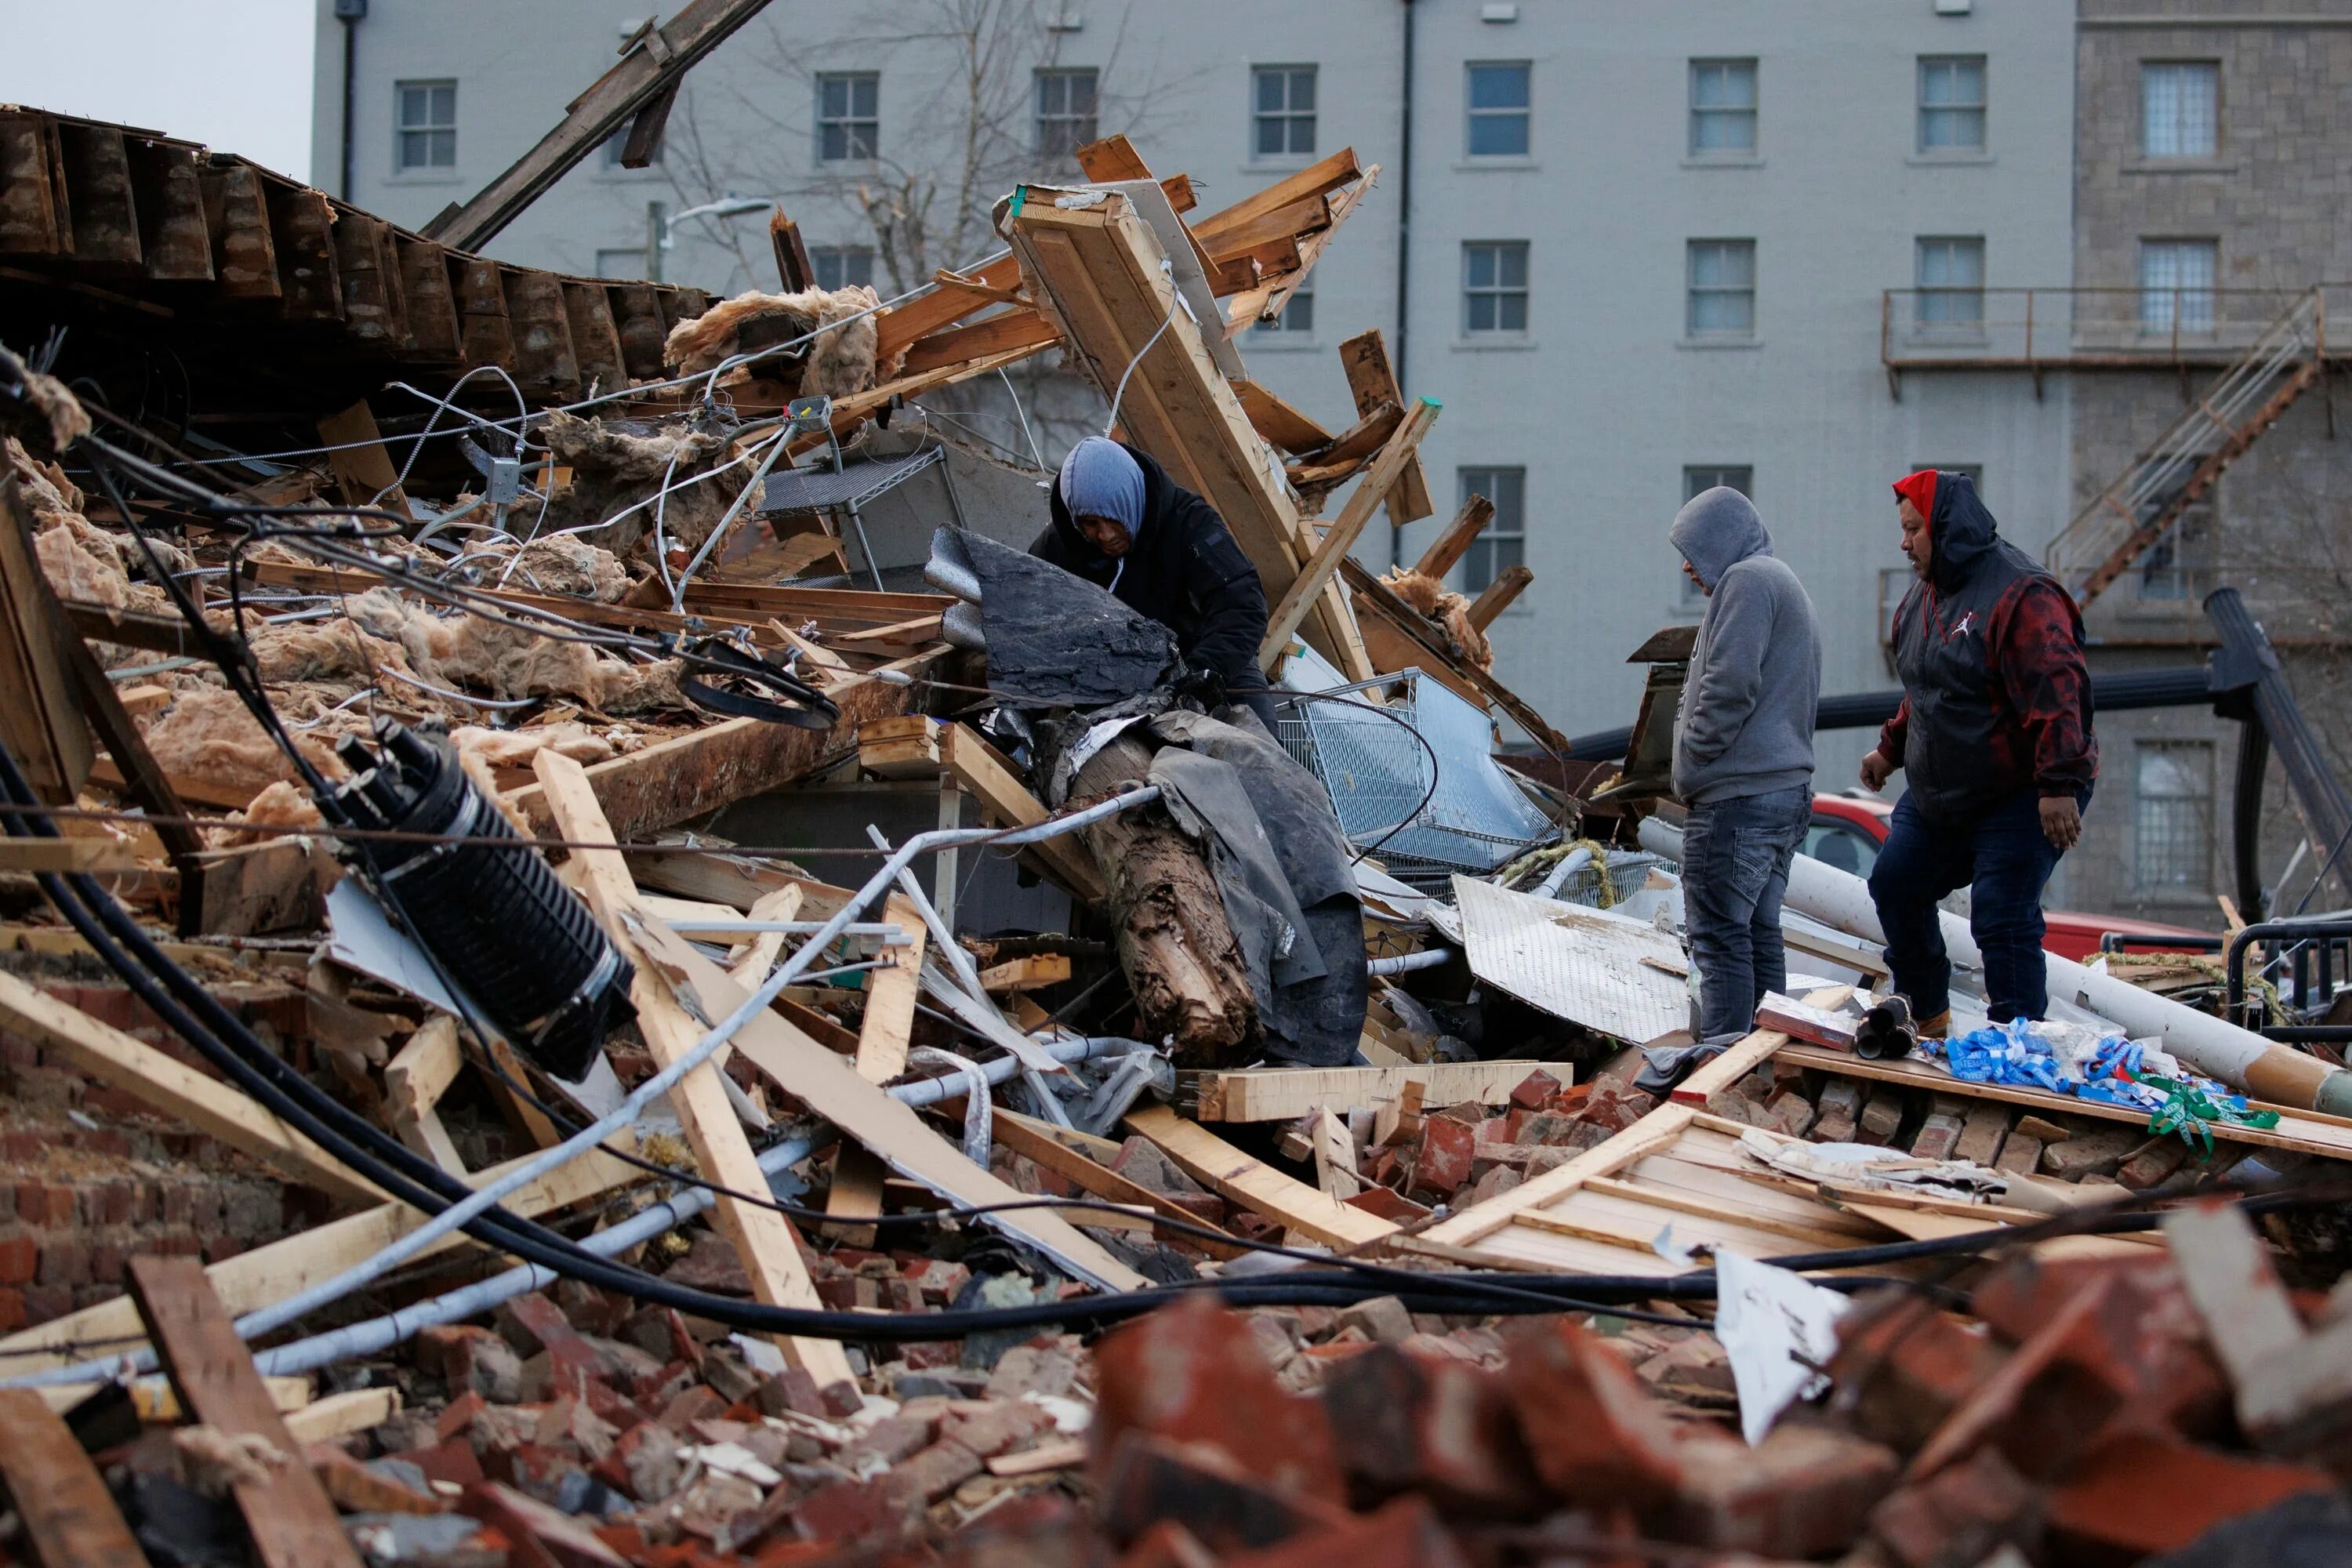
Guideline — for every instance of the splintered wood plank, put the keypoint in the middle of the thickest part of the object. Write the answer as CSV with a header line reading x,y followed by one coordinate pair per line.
x,y
982,771
1746,1055
1372,379
1280,1094
690,775
1318,574
67,1515
890,993
1255,1185
291,1521
832,1089
413,1084
763,1240
171,1086
1278,421
1046,1147
1335,1158
362,468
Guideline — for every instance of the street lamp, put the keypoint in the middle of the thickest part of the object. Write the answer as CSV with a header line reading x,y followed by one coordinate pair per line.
x,y
661,230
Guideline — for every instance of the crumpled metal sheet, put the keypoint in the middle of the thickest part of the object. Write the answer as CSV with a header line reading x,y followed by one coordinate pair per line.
x,y
1584,965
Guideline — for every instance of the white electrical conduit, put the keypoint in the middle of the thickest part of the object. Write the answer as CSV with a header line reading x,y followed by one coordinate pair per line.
x,y
266,1320
379,1334
892,933
1428,959
2264,1069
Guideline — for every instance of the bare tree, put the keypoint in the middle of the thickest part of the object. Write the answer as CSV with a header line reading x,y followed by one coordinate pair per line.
x,y
925,197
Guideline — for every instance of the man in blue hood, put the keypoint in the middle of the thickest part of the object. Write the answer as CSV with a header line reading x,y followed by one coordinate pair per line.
x,y
1121,523
1743,754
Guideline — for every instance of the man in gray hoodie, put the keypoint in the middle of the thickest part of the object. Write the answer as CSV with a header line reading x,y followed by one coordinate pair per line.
x,y
1743,754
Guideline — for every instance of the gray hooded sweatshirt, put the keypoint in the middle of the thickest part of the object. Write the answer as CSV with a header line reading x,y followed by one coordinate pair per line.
x,y
1746,721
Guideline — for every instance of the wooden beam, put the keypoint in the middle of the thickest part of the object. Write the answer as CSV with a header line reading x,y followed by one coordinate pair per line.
x,y
413,1081
1373,381
1497,596
832,1089
890,994
1328,174
1254,1185
897,328
1319,573
292,1523
1038,1143
981,769
1455,542
1025,973
362,468
1416,629
793,267
1335,1158
759,954
688,775
653,63
1279,422
1350,450
65,1513
206,1103
763,1240
1284,1094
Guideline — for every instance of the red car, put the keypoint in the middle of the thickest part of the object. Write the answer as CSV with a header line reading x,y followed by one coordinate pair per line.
x,y
1848,829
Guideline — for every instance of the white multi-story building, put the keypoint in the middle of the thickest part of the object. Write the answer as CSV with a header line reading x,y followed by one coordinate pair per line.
x,y
1646,247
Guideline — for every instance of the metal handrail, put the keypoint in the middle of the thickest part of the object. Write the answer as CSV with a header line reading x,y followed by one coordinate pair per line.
x,y
2016,328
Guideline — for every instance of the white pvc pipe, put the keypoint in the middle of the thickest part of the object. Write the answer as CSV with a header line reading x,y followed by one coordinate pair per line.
x,y
2214,1047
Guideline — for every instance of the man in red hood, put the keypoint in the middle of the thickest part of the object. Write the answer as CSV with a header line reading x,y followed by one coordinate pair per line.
x,y
1995,734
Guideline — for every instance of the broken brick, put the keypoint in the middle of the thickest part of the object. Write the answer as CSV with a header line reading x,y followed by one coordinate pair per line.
x,y
1406,1422
1448,1150
1596,1436
1533,1089
1191,1373
1803,1492
2108,1510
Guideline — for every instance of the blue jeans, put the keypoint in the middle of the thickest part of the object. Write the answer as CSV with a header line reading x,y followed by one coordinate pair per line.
x,y
1736,855
2005,860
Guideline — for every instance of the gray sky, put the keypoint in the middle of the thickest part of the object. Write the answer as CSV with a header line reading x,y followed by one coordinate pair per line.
x,y
233,73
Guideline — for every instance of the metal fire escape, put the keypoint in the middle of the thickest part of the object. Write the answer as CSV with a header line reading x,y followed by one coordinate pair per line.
x,y
2179,467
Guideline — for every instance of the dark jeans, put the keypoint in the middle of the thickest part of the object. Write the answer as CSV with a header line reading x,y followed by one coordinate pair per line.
x,y
2005,860
1736,855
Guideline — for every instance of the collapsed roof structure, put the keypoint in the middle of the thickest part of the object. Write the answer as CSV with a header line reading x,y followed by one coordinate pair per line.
x,y
468,667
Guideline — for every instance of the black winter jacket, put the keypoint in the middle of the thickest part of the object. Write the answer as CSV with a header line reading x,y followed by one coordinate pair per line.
x,y
1183,571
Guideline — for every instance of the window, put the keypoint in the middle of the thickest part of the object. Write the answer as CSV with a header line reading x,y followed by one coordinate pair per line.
x,y
2176,569
1066,111
627,261
1722,107
1739,477
1498,97
1298,315
1494,286
848,115
2172,817
1282,112
1951,103
1504,544
618,143
1835,842
1894,584
2176,284
1722,288
427,116
1950,276
839,266
2180,109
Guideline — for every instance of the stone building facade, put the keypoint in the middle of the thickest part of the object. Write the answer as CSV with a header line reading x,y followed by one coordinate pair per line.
x,y
2213,179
